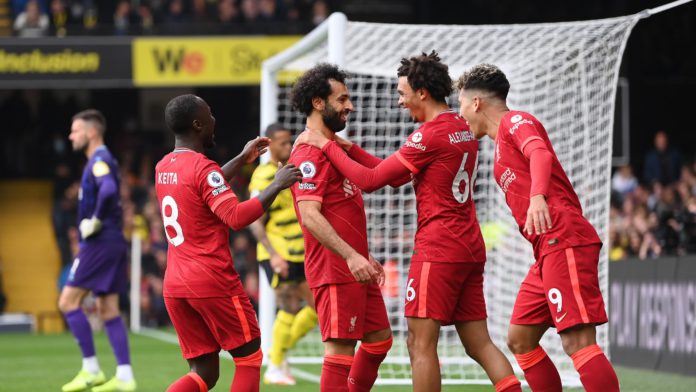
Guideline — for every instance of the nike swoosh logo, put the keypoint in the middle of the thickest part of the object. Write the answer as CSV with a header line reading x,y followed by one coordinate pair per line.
x,y
559,319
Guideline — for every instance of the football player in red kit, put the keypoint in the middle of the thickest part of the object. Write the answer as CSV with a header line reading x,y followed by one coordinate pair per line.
x,y
342,275
561,289
203,293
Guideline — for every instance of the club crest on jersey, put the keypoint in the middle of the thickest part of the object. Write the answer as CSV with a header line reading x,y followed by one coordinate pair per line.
x,y
308,169
417,137
215,179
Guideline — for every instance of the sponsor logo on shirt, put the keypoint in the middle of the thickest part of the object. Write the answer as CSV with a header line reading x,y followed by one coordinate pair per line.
x,y
518,124
417,146
307,186
460,136
308,169
215,179
417,137
506,179
516,118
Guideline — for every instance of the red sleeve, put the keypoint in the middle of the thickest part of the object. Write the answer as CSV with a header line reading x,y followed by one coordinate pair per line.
x,y
521,130
367,179
418,151
363,157
316,173
540,163
222,201
368,160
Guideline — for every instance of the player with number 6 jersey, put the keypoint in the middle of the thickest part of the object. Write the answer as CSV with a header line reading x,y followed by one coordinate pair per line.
x,y
203,293
561,289
445,280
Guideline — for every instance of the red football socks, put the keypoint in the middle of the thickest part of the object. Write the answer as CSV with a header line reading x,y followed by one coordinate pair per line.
x,y
247,373
539,371
363,373
508,384
191,382
334,373
596,373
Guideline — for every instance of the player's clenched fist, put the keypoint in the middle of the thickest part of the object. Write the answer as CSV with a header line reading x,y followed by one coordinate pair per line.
x,y
287,175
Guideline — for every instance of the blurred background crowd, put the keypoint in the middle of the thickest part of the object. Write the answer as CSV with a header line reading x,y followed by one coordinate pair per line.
x,y
37,18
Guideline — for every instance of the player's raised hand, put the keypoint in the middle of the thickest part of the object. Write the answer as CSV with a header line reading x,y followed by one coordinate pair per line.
x,y
363,270
381,277
255,148
312,137
345,144
287,175
538,217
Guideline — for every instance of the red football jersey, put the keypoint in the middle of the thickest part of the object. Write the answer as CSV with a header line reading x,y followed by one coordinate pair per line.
x,y
342,205
443,156
569,228
189,188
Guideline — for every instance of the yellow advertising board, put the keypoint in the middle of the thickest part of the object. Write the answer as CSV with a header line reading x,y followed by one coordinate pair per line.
x,y
203,61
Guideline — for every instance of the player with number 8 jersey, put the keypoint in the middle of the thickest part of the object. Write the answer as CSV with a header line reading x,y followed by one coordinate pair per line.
x,y
203,293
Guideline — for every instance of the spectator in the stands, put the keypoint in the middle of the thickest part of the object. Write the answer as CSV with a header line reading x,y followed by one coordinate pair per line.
x,y
663,162
624,181
228,11
33,22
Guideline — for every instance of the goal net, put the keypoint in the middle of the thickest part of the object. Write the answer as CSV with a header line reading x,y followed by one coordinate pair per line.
x,y
563,73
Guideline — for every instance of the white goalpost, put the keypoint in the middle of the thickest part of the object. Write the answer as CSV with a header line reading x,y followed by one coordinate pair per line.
x,y
564,73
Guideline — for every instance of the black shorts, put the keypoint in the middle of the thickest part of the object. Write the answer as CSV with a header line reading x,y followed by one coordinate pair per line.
x,y
296,273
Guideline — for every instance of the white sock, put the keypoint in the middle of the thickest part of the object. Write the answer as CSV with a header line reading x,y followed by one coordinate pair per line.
x,y
90,364
124,372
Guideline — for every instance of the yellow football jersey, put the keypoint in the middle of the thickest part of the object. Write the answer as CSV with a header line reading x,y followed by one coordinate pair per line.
x,y
282,228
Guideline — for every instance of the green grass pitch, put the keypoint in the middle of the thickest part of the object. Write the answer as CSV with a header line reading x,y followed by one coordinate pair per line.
x,y
31,363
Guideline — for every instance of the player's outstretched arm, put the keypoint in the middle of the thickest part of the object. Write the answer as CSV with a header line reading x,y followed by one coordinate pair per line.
x,y
386,172
362,269
239,215
252,150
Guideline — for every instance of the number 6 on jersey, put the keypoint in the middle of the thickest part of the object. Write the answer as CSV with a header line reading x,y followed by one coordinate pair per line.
x,y
461,194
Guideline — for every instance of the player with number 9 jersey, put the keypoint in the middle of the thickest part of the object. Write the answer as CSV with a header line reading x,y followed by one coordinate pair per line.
x,y
561,289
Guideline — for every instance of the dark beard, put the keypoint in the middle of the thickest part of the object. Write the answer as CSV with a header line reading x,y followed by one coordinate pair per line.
x,y
332,119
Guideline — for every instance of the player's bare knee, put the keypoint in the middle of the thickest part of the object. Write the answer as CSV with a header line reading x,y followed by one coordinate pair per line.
x,y
67,302
577,338
378,336
518,345
418,343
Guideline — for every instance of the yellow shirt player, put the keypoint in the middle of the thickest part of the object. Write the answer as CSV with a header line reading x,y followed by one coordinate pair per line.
x,y
280,251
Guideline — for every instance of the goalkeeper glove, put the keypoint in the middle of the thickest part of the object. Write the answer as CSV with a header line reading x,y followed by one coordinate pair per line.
x,y
89,227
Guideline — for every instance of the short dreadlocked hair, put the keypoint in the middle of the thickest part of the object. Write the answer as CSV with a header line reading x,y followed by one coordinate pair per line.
x,y
428,72
485,77
315,83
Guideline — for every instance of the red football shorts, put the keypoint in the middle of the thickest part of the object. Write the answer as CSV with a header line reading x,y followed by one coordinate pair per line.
x,y
562,290
447,292
206,325
350,310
